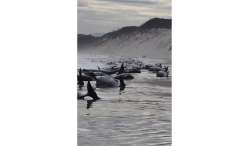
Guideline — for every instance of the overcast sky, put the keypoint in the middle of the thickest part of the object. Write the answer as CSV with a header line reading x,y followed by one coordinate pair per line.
x,y
101,16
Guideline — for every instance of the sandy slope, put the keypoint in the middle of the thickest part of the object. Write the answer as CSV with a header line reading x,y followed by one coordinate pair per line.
x,y
155,43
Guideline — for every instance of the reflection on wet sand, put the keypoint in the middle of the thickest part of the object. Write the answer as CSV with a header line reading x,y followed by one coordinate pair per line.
x,y
133,112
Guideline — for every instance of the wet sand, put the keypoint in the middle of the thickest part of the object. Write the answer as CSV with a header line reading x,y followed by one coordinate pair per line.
x,y
139,116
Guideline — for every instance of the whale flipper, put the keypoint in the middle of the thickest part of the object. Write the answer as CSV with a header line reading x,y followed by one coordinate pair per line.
x,y
122,85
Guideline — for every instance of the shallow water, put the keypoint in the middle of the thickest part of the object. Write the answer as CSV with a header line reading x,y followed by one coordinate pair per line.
x,y
138,116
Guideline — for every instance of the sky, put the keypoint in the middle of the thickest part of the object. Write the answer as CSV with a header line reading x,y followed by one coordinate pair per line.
x,y
102,16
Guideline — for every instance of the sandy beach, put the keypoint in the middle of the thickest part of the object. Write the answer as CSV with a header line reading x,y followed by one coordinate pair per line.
x,y
140,115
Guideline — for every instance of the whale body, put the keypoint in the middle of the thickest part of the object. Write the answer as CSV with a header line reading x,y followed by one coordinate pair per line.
x,y
106,82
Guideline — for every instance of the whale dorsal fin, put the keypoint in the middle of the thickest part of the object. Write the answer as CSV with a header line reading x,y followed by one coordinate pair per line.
x,y
121,70
91,92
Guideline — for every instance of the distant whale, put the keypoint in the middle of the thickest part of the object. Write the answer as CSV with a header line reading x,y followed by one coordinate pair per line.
x,y
162,74
155,69
125,76
108,81
99,71
133,70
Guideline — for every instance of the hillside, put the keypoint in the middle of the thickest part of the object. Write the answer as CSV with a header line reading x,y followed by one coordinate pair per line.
x,y
153,38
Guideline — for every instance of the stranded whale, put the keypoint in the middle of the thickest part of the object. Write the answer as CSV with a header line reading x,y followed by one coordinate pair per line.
x,y
91,93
